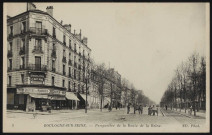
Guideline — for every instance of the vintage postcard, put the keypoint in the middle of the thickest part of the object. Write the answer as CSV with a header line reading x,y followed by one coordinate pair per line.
x,y
106,67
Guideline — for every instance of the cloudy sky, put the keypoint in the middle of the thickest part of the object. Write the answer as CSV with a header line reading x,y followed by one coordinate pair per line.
x,y
144,42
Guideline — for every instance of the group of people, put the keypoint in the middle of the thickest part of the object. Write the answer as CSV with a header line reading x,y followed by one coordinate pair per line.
x,y
136,107
152,110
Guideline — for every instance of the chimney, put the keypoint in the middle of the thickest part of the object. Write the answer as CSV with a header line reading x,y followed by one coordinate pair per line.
x,y
61,22
49,10
85,40
68,27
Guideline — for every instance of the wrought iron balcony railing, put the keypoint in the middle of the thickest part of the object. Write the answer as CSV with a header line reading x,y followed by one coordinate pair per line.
x,y
22,66
37,49
36,67
38,31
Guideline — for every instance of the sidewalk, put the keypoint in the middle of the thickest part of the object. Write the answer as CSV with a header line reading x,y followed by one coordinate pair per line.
x,y
200,114
60,111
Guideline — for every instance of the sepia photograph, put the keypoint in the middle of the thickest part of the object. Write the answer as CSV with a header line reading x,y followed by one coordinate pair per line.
x,y
106,67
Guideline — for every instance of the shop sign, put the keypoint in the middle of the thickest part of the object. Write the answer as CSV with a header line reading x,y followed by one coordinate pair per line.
x,y
37,78
32,91
58,92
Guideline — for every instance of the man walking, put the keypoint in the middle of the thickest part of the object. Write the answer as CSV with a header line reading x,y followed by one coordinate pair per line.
x,y
128,108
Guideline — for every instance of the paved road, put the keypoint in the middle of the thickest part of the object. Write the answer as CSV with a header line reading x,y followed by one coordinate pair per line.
x,y
115,116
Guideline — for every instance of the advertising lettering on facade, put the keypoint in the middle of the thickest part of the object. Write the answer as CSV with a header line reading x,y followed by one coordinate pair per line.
x,y
32,91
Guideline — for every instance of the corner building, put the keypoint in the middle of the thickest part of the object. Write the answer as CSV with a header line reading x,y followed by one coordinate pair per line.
x,y
47,63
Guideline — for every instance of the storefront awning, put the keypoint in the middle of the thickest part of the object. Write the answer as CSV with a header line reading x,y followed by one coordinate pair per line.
x,y
57,98
83,96
39,96
71,96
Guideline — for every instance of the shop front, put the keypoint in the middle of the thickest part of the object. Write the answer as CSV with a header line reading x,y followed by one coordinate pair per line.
x,y
72,100
42,97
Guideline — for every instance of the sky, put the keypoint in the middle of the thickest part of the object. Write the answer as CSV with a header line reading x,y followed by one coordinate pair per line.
x,y
144,42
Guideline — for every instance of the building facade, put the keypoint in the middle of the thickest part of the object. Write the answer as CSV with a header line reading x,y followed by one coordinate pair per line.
x,y
47,63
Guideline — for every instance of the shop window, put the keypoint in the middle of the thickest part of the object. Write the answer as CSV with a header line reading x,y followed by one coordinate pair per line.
x,y
21,99
10,98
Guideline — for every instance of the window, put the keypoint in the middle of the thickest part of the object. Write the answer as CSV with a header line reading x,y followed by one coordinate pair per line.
x,y
64,53
37,63
10,64
52,80
69,71
11,30
22,63
38,26
70,43
22,78
23,27
10,80
75,47
64,39
74,73
38,44
63,83
23,43
54,32
69,55
74,86
69,83
53,65
10,46
64,69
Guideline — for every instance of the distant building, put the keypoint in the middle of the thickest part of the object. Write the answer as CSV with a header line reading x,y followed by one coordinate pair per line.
x,y
47,63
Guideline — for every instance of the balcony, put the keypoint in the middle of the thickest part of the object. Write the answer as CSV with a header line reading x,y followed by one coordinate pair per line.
x,y
64,59
22,66
9,53
69,62
54,55
22,50
36,67
38,31
37,49
23,31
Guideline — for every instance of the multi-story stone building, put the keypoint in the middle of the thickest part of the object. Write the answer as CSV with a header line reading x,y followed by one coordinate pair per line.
x,y
109,83
47,62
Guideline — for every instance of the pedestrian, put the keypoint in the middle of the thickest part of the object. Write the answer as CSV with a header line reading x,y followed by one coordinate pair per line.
x,y
153,110
150,110
116,107
191,110
128,108
166,107
135,107
139,109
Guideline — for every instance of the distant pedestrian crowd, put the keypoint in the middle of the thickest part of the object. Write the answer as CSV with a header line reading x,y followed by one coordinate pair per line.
x,y
152,110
